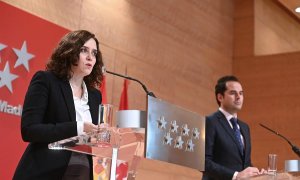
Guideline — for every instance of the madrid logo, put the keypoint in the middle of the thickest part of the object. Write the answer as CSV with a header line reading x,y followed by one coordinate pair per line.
x,y
7,78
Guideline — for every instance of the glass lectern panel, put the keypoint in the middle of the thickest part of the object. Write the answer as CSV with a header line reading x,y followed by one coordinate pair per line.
x,y
128,141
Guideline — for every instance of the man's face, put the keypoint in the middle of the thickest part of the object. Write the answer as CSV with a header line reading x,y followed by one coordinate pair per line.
x,y
232,100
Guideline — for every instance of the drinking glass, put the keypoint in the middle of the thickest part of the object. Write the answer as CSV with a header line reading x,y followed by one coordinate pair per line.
x,y
104,122
272,164
105,114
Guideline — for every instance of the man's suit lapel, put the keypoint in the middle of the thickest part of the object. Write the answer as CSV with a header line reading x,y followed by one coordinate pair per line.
x,y
223,121
68,98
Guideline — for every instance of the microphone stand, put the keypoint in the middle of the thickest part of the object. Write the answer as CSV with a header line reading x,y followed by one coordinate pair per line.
x,y
294,148
133,79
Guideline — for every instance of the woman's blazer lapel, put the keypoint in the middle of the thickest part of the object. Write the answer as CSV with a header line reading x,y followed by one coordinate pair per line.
x,y
68,98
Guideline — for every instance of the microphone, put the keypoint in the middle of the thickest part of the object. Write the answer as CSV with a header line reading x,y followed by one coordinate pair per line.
x,y
104,70
294,148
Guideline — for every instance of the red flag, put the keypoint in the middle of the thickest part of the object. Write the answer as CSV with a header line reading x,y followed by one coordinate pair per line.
x,y
124,97
103,90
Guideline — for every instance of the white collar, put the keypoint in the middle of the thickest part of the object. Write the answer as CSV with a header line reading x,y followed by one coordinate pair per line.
x,y
85,95
227,114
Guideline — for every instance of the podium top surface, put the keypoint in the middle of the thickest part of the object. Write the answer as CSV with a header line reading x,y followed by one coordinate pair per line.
x,y
279,176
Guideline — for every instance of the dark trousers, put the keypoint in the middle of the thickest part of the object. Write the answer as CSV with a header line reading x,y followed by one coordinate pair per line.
x,y
77,172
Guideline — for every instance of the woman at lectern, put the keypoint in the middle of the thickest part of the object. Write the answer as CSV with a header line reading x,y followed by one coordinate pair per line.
x,y
62,102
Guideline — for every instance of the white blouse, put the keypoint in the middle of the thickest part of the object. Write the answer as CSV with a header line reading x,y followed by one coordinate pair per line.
x,y
83,114
82,109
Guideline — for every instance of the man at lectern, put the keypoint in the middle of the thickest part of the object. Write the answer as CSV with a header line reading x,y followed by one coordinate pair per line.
x,y
60,103
227,143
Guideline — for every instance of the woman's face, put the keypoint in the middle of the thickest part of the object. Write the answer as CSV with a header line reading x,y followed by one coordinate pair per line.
x,y
87,59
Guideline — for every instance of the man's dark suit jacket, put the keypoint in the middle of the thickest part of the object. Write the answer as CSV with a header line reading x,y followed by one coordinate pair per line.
x,y
222,155
48,116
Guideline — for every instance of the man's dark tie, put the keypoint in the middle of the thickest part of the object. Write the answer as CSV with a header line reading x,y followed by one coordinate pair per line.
x,y
237,133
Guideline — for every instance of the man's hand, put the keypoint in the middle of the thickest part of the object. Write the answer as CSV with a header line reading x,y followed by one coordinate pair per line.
x,y
248,172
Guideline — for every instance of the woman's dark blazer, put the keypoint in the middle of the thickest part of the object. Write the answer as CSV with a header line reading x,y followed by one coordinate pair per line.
x,y
48,116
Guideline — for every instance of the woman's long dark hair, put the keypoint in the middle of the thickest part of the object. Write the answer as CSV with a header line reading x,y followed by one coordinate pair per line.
x,y
67,53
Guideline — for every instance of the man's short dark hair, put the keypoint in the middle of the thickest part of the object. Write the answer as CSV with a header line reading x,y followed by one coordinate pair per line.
x,y
220,87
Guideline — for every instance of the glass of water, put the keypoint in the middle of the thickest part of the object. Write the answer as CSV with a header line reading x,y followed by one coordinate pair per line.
x,y
104,122
272,164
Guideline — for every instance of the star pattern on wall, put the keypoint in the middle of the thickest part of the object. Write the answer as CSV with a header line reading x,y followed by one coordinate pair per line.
x,y
6,77
23,56
2,46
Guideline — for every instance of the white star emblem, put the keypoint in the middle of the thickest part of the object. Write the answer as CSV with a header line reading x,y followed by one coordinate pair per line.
x,y
190,146
174,126
2,46
179,142
23,56
168,139
185,130
6,77
196,133
162,122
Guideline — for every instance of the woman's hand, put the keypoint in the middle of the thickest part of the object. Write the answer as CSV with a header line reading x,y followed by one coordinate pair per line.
x,y
89,127
104,125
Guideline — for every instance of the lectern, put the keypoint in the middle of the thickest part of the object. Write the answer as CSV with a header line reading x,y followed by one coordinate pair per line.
x,y
173,135
110,146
